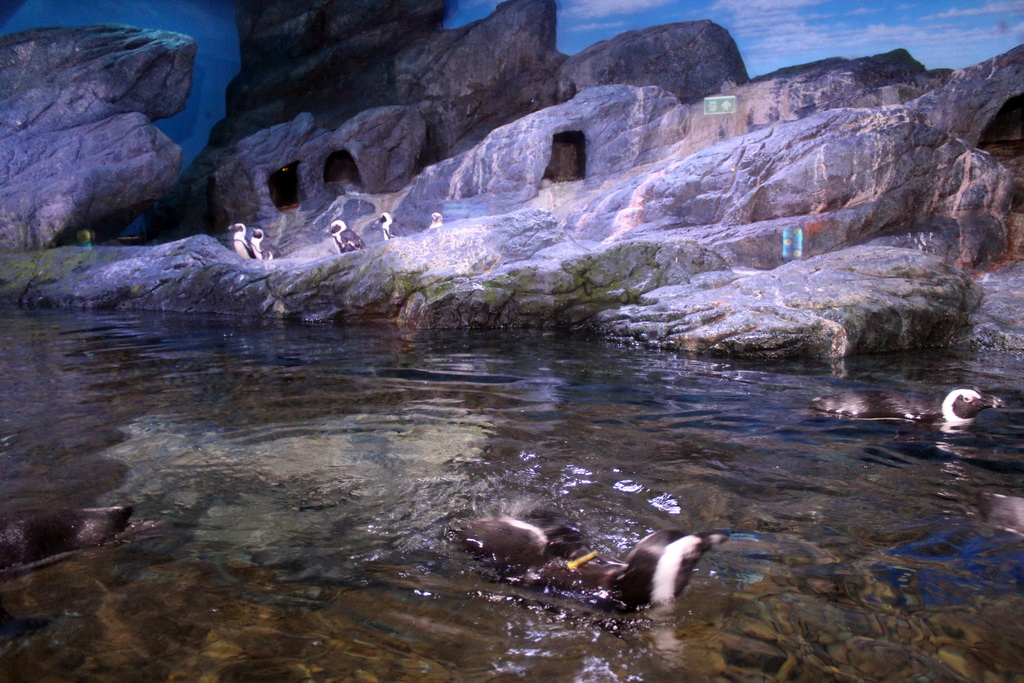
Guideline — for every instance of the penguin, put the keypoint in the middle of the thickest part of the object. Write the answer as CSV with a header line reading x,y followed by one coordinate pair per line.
x,y
385,226
263,250
345,240
33,538
241,244
436,220
545,551
960,406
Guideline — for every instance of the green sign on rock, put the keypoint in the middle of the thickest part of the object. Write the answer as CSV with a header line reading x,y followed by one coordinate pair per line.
x,y
724,104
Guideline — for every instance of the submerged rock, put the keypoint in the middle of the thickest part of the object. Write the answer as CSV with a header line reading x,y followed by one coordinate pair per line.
x,y
77,148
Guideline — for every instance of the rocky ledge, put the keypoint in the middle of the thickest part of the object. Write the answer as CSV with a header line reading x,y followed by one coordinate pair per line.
x,y
522,270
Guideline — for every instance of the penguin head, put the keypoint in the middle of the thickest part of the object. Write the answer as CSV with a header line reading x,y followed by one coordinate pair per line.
x,y
238,229
963,405
338,226
659,567
257,234
386,219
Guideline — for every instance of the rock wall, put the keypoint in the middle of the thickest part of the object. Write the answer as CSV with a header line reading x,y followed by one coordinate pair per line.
x,y
77,151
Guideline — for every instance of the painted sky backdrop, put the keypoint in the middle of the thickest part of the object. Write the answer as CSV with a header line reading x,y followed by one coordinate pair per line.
x,y
772,34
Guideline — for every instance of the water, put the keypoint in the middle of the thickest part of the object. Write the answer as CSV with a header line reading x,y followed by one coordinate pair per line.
x,y
304,477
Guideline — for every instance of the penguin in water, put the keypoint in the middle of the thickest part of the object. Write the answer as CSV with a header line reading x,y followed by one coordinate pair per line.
x,y
263,249
385,226
239,241
960,406
34,538
345,239
436,220
545,551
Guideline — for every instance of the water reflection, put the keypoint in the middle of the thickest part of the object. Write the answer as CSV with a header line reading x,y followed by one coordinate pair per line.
x,y
306,476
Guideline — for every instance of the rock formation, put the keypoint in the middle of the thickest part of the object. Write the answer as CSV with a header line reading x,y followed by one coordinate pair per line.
x,y
626,209
78,150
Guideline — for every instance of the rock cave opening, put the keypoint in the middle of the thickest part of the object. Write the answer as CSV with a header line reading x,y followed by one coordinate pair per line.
x,y
341,170
1003,138
568,157
284,187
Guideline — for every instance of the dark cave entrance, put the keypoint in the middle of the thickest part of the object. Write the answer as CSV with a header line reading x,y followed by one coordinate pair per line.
x,y
568,157
1008,124
284,187
341,169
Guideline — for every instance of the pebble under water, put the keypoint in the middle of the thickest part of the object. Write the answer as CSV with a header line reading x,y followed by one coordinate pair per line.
x,y
303,478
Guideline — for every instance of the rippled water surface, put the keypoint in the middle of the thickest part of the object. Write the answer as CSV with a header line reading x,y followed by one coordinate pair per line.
x,y
304,478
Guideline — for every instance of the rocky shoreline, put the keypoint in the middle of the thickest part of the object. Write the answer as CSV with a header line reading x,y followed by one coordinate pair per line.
x,y
841,207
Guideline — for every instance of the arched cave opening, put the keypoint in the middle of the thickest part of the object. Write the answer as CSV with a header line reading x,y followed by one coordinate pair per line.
x,y
568,157
1003,138
1008,124
341,169
284,187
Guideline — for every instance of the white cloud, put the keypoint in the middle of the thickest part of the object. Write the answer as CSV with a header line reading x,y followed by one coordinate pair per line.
x,y
596,9
607,26
990,8
762,6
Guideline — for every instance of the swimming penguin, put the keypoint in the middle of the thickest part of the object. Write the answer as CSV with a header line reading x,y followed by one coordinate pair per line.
x,y
436,220
263,249
960,406
33,538
385,225
1005,512
345,240
546,551
240,243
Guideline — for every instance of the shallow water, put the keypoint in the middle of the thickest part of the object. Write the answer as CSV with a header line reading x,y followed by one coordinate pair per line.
x,y
304,477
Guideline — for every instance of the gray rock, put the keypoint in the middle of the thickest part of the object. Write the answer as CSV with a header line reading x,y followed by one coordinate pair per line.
x,y
999,321
77,151
522,270
798,91
860,300
839,178
470,80
111,172
618,126
52,79
690,59
286,178
971,101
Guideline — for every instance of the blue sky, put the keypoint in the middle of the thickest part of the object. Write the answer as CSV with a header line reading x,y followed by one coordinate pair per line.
x,y
772,34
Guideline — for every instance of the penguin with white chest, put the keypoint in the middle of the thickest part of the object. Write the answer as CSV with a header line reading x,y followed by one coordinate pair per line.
x,y
958,407
240,242
543,550
263,250
387,226
436,220
345,239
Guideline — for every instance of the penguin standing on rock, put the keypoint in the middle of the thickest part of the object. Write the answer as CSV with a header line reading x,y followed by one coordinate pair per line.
x,y
385,226
546,551
960,406
239,241
263,249
436,220
345,239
